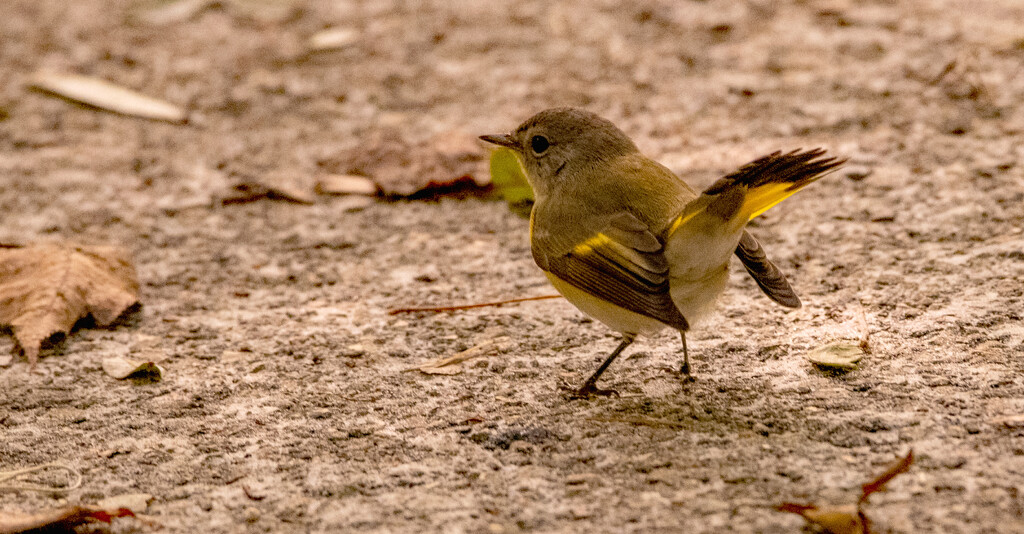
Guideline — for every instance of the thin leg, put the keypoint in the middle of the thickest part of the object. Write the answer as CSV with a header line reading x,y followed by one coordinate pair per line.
x,y
685,370
590,386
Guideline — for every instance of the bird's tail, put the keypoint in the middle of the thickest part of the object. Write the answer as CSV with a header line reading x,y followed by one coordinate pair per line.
x,y
756,187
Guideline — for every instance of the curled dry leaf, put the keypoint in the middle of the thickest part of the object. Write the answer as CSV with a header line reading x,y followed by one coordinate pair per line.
x,y
60,520
107,96
121,368
839,356
848,519
450,164
46,288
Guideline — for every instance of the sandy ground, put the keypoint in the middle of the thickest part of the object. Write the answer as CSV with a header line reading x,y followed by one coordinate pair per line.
x,y
286,405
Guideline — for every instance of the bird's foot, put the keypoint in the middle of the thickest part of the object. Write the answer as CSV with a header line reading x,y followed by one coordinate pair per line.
x,y
588,391
685,372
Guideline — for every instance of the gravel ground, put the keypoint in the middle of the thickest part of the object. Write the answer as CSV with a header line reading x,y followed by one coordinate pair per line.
x,y
288,404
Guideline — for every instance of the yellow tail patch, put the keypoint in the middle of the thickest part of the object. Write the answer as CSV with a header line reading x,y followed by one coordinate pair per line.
x,y
760,199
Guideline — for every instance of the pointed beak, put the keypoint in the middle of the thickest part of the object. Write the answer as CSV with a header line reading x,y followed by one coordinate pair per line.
x,y
501,140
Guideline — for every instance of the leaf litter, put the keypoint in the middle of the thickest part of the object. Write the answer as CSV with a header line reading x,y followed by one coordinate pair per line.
x,y
850,518
46,288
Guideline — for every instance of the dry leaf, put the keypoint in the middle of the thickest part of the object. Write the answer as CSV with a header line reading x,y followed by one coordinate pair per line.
x,y
879,483
121,368
345,184
848,519
451,164
59,520
332,39
842,356
46,288
834,520
107,96
444,366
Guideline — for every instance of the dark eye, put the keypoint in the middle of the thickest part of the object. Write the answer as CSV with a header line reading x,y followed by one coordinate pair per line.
x,y
539,144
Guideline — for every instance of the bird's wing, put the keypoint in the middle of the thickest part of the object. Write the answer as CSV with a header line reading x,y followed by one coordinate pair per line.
x,y
768,277
623,264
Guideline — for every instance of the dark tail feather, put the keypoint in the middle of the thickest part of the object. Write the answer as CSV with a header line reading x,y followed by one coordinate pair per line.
x,y
768,277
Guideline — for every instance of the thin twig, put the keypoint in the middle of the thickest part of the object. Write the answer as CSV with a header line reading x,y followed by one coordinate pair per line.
x,y
469,306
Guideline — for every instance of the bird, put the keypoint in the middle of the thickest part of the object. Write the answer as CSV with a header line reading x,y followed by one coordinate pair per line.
x,y
631,244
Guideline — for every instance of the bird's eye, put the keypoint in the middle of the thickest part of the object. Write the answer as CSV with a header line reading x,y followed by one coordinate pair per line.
x,y
539,144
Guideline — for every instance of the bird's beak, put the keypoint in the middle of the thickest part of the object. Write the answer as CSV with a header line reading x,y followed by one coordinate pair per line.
x,y
501,140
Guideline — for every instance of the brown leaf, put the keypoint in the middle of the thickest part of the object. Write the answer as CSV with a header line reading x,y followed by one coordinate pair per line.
x,y
879,483
450,164
58,520
848,519
833,519
46,288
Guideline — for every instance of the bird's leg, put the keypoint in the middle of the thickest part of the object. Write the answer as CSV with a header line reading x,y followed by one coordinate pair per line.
x,y
685,370
590,386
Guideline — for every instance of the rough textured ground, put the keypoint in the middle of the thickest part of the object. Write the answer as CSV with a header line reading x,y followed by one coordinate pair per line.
x,y
285,374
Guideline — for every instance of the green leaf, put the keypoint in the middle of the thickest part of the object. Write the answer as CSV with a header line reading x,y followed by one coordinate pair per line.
x,y
509,179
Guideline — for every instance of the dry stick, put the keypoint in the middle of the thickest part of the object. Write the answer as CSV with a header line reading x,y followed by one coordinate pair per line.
x,y
469,306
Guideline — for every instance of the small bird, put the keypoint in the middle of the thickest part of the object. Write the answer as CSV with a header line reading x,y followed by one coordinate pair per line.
x,y
632,245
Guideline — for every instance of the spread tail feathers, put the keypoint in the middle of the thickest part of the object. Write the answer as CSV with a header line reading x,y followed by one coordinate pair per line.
x,y
759,185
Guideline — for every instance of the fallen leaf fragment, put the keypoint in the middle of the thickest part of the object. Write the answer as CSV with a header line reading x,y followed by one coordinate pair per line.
x,y
59,520
445,366
345,184
107,96
46,288
879,483
842,355
332,39
136,502
510,181
848,519
121,368
835,520
449,164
